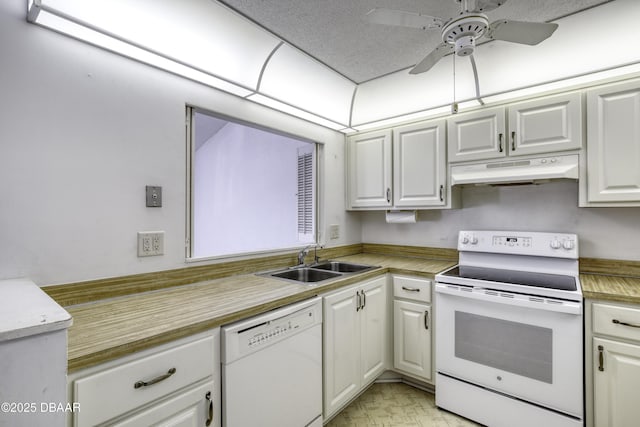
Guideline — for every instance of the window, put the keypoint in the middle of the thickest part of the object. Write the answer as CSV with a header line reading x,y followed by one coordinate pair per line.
x,y
252,190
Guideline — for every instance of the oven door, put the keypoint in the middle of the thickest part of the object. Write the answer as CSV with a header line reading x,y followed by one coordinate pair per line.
x,y
527,347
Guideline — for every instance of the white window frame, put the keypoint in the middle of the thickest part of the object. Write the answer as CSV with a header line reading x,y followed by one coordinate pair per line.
x,y
190,156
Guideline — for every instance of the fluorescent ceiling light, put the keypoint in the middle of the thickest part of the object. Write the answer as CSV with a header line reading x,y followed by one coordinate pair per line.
x,y
576,82
50,18
348,130
404,118
294,111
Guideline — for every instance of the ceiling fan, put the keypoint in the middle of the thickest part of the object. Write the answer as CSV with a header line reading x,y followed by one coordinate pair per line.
x,y
460,33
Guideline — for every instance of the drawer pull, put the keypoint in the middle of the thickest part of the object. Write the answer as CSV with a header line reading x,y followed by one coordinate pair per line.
x,y
210,410
364,299
600,358
404,288
617,322
140,384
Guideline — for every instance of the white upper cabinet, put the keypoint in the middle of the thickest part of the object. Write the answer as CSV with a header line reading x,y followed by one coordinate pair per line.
x,y
546,125
406,172
419,165
478,135
613,143
539,126
369,169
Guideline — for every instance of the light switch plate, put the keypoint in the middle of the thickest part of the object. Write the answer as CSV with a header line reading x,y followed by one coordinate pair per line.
x,y
150,243
154,196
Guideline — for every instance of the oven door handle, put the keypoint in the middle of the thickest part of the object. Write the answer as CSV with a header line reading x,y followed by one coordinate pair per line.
x,y
507,298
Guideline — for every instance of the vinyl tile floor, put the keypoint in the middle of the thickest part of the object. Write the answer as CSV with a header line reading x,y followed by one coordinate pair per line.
x,y
396,404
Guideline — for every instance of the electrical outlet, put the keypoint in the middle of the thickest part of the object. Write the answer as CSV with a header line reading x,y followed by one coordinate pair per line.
x,y
150,243
334,231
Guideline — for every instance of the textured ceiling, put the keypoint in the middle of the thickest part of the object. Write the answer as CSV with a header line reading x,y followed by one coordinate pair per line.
x,y
336,33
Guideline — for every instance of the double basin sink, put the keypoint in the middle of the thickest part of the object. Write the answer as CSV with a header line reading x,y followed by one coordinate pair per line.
x,y
316,273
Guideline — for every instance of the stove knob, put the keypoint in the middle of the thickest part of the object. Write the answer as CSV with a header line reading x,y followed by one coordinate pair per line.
x,y
555,244
465,240
568,244
474,240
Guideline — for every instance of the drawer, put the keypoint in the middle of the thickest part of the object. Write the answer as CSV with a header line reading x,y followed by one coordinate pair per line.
x,y
616,321
113,392
412,288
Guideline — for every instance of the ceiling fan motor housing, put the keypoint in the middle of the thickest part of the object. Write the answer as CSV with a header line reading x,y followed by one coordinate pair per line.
x,y
462,32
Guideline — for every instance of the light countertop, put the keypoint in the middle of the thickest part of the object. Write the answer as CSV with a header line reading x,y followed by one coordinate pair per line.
x,y
111,328
105,330
26,310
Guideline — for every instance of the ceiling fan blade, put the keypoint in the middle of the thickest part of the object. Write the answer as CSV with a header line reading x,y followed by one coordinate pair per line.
x,y
530,33
488,5
401,18
431,59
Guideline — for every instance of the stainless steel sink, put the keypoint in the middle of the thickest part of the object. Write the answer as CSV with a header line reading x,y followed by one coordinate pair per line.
x,y
306,275
342,267
317,273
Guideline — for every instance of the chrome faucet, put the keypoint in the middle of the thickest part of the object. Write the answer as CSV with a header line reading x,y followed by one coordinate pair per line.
x,y
303,253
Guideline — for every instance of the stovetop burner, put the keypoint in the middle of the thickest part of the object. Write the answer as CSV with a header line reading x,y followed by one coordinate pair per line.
x,y
514,277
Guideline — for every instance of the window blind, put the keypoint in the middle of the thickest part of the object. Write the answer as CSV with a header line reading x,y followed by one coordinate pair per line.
x,y
305,193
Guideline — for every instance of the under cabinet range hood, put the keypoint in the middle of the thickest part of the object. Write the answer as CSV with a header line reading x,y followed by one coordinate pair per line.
x,y
516,171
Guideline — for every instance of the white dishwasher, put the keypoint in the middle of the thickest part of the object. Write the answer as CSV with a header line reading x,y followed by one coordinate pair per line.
x,y
272,368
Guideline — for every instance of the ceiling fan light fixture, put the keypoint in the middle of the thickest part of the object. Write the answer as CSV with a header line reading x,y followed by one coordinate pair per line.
x,y
462,32
465,45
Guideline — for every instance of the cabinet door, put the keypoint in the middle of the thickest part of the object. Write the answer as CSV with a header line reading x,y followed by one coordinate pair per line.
x,y
341,349
373,329
192,408
369,170
613,143
616,386
545,125
412,338
478,135
419,165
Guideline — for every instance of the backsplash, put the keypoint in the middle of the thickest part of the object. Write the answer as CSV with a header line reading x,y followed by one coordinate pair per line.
x,y
610,233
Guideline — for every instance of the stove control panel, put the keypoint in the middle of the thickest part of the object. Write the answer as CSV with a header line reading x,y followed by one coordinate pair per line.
x,y
557,245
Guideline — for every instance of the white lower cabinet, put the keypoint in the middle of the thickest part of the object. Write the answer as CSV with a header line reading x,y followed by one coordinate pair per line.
x,y
615,354
412,327
616,386
355,339
187,409
176,384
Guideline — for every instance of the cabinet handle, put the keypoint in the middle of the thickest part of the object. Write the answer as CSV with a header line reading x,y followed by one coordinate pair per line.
x,y
210,409
364,299
426,320
500,147
441,193
631,325
139,384
404,288
359,301
513,141
600,358
388,195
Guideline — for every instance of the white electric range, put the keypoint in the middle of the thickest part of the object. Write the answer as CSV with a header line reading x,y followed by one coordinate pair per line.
x,y
509,342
